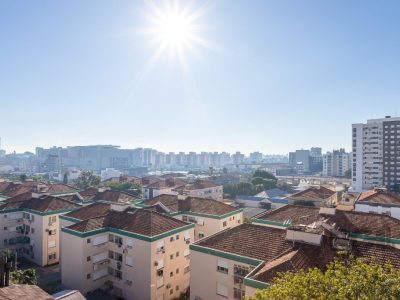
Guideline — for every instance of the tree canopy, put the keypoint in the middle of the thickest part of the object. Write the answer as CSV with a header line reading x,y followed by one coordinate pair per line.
x,y
87,179
26,276
345,278
264,174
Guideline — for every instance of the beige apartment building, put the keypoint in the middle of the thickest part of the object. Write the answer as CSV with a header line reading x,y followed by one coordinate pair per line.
x,y
203,189
30,226
132,254
209,216
236,262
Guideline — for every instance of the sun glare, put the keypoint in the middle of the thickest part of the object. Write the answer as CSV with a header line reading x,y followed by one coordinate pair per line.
x,y
174,28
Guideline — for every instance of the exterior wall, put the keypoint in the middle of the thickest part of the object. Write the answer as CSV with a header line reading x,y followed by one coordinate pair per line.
x,y
216,193
205,278
209,226
391,155
140,278
393,211
42,236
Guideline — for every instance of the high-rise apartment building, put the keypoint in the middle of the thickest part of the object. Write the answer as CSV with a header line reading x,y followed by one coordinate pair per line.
x,y
336,163
376,154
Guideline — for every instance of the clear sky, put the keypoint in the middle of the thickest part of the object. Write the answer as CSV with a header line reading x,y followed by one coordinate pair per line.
x,y
270,76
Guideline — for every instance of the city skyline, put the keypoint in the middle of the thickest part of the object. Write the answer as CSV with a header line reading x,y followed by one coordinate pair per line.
x,y
268,77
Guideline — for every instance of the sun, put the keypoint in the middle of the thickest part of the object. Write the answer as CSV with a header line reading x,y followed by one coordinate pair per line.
x,y
174,28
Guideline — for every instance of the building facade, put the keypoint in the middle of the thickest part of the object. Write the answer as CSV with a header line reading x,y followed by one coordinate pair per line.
x,y
336,163
376,158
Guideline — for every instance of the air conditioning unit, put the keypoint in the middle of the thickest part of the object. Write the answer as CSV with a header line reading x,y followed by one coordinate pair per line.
x,y
168,286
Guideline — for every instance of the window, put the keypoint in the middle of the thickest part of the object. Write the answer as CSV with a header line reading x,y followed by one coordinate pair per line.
x,y
88,258
192,220
110,271
238,293
88,276
171,291
222,290
5,242
52,219
171,274
177,271
201,235
5,228
176,254
118,256
184,218
241,271
110,255
222,266
32,230
118,274
177,288
88,241
171,256
51,244
171,239
224,224
129,261
177,237
52,256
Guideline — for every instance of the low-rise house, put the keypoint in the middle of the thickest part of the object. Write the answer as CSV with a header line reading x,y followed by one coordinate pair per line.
x,y
378,201
99,194
203,189
163,186
315,196
238,261
136,254
30,226
208,215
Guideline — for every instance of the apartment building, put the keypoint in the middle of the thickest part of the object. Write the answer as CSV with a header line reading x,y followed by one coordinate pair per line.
x,y
336,163
203,189
132,254
30,226
162,186
208,215
376,154
236,262
378,201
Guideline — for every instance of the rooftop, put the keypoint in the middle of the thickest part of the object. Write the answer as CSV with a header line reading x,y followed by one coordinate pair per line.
x,y
314,193
192,204
23,292
107,195
96,209
379,196
140,221
253,241
345,221
44,203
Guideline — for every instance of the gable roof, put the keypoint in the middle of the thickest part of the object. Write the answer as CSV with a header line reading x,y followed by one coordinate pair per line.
x,y
314,193
192,204
44,203
140,221
345,221
378,196
90,211
23,292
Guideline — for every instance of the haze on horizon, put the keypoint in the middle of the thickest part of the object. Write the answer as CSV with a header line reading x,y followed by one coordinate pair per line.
x,y
268,76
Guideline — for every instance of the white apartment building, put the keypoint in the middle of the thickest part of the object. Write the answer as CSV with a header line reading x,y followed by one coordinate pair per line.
x,y
132,254
376,146
336,163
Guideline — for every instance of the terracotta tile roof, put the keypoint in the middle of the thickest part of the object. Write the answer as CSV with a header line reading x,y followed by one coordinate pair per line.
x,y
199,185
114,196
193,204
168,183
20,197
258,242
4,185
90,211
140,221
60,188
43,204
89,192
314,193
345,221
379,197
304,257
23,292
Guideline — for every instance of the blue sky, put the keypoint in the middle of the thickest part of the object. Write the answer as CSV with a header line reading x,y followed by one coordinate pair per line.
x,y
284,75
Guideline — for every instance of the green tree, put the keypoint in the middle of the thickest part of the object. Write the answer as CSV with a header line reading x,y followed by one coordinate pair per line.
x,y
345,278
87,179
131,187
65,178
23,177
26,276
264,174
347,174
